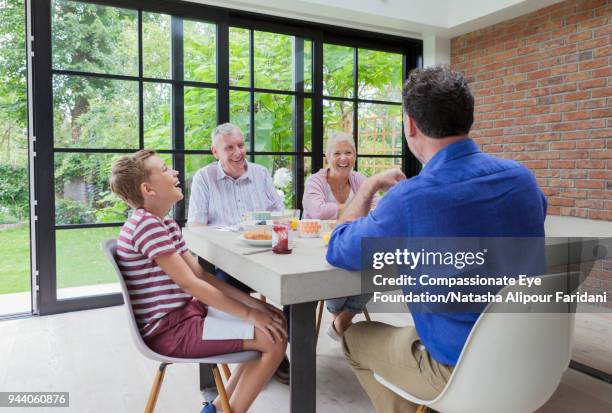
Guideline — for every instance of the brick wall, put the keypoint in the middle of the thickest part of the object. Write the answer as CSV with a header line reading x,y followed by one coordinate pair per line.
x,y
543,89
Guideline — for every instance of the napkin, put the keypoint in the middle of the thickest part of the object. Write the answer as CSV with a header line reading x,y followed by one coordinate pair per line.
x,y
223,326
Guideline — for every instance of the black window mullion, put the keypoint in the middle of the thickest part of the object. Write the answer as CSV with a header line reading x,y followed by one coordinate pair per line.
x,y
178,106
298,120
223,77
317,105
252,96
140,85
193,83
412,59
356,103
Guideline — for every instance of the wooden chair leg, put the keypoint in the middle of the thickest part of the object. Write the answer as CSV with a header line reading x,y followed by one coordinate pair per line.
x,y
421,409
226,371
157,382
221,389
319,317
366,314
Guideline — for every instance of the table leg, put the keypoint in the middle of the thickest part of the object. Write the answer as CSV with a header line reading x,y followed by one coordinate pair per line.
x,y
303,374
207,379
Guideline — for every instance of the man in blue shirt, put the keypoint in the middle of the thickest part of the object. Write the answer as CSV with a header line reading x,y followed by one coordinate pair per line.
x,y
460,192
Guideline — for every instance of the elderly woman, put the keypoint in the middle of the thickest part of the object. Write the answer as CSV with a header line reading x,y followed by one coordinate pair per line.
x,y
326,194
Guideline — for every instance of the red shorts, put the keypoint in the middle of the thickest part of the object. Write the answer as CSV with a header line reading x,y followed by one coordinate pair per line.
x,y
181,335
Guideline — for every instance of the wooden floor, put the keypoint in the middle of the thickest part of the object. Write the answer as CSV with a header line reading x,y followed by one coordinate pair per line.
x,y
90,354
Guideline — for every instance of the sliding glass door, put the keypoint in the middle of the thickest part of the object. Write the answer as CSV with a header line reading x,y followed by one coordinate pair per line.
x,y
15,254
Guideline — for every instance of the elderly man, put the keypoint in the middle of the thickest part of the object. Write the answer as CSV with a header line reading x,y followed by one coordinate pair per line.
x,y
460,192
222,192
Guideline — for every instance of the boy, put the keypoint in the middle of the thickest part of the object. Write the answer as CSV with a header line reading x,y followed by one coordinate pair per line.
x,y
171,292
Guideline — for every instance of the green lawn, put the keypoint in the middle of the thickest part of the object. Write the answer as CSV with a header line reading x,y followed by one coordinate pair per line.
x,y
15,260
80,260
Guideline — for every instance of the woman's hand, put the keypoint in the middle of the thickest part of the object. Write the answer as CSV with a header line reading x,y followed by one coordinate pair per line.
x,y
270,323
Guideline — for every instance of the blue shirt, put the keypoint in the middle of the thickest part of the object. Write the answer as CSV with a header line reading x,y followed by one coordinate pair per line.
x,y
461,192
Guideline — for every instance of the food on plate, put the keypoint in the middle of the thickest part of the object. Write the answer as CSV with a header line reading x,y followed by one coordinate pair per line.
x,y
258,234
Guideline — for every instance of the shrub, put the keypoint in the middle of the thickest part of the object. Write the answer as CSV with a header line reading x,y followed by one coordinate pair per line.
x,y
72,212
14,191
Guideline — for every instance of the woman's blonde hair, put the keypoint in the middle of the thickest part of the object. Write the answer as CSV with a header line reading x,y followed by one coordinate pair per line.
x,y
336,137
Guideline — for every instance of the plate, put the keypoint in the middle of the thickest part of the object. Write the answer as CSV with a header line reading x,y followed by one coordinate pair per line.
x,y
256,242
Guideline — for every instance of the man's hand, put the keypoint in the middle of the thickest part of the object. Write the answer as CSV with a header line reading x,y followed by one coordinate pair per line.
x,y
360,205
383,181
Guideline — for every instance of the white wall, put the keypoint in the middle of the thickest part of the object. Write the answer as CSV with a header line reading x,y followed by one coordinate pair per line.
x,y
436,50
409,18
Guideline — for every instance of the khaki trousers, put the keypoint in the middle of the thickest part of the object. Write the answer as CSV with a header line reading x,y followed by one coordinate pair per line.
x,y
397,354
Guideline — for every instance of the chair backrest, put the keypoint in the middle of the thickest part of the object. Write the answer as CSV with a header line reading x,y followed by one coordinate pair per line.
x,y
110,249
514,357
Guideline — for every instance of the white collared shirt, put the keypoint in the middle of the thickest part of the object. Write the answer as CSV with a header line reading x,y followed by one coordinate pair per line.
x,y
218,199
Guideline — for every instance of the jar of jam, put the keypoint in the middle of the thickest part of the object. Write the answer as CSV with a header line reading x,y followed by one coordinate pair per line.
x,y
280,237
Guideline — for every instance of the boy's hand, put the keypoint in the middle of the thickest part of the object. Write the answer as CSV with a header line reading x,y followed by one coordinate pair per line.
x,y
268,323
276,312
263,306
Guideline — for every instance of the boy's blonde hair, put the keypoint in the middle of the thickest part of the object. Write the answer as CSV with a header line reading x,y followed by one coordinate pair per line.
x,y
127,174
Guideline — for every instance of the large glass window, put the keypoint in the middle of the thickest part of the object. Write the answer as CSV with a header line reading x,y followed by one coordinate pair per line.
x,y
362,97
123,79
273,106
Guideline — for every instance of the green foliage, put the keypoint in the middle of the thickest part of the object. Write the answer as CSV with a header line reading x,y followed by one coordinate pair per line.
x,y
239,57
13,198
13,99
273,61
72,212
94,112
200,117
112,209
94,38
156,45
200,53
338,70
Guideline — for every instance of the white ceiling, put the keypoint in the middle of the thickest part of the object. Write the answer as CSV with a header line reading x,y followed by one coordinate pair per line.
x,y
412,18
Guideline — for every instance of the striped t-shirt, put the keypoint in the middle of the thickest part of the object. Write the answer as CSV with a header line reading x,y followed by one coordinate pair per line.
x,y
143,238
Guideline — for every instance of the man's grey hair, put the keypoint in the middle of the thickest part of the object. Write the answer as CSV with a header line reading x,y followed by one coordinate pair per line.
x,y
223,130
336,137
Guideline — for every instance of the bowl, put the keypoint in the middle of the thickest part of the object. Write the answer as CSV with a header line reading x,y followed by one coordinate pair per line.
x,y
309,228
260,215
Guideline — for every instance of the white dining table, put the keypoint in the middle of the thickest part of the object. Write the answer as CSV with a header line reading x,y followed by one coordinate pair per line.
x,y
304,277
299,279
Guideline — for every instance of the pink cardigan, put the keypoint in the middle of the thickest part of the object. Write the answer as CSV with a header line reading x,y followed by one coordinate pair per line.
x,y
318,201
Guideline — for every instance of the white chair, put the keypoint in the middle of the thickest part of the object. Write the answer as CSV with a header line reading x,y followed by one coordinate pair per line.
x,y
512,361
110,248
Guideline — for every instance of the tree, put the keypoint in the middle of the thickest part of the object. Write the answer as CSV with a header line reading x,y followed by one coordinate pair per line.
x,y
13,90
94,112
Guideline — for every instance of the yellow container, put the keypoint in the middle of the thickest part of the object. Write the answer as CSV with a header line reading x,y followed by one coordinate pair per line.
x,y
294,223
326,237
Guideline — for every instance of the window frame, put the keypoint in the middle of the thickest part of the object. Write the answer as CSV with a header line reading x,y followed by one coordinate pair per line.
x,y
44,149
